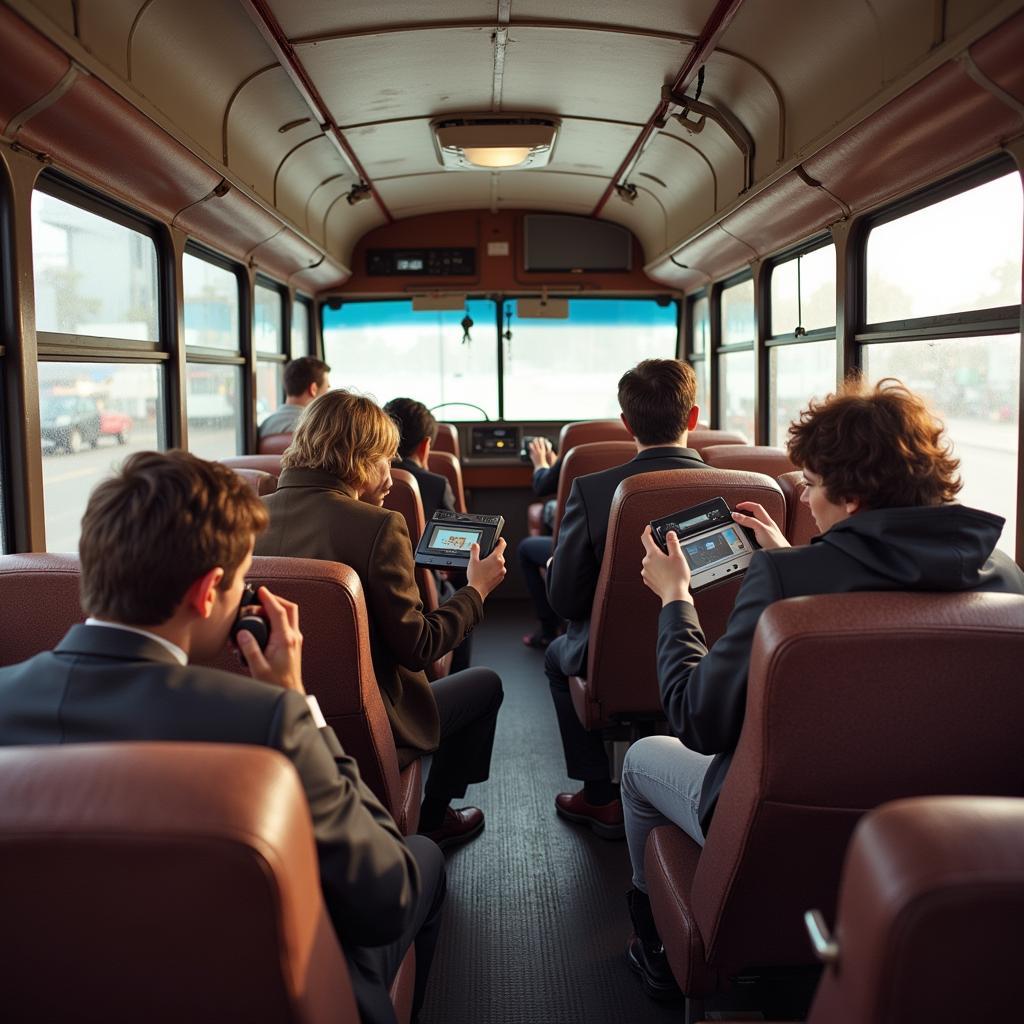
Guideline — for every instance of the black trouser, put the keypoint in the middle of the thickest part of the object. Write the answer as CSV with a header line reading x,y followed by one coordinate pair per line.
x,y
373,968
585,756
462,654
467,703
534,553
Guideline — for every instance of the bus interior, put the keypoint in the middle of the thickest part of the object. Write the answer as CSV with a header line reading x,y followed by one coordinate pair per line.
x,y
497,207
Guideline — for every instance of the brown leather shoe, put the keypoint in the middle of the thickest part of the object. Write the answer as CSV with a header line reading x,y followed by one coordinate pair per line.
x,y
604,819
459,826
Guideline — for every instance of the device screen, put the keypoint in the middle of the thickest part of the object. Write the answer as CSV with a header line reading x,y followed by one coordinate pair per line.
x,y
446,538
713,548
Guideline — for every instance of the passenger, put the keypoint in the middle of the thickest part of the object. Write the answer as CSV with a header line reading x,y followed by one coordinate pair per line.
x,y
335,476
304,379
165,547
534,552
418,428
880,485
657,401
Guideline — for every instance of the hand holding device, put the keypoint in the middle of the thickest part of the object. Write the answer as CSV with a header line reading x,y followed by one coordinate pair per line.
x,y
449,536
250,618
755,518
483,575
281,662
666,572
539,451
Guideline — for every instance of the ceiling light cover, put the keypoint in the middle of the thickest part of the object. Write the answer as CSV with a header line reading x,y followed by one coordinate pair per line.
x,y
494,141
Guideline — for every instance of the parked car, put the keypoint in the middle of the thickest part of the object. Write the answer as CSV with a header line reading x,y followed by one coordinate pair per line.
x,y
68,422
115,424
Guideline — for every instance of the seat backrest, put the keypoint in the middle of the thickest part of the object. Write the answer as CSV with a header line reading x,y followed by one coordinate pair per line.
x,y
704,437
267,463
800,524
584,459
930,912
447,440
274,444
621,673
260,482
588,431
337,664
853,700
753,458
161,882
449,467
39,595
404,498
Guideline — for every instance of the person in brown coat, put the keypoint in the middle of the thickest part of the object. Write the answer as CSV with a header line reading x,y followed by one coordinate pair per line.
x,y
335,476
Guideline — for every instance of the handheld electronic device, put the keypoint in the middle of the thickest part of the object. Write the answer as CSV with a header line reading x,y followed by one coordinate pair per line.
x,y
524,451
249,621
714,545
448,537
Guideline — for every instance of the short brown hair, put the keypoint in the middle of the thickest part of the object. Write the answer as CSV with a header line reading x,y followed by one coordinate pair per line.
x,y
415,422
878,445
656,397
300,373
154,528
343,434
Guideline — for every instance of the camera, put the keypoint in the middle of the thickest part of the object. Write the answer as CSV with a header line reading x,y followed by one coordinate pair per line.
x,y
249,621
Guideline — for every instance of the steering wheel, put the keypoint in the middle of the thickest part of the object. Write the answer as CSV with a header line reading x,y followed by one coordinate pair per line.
x,y
468,405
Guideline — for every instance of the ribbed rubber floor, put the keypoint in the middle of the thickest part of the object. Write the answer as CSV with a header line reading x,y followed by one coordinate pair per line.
x,y
536,923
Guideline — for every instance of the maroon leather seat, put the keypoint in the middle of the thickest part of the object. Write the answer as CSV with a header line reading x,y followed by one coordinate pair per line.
x,y
449,467
447,440
592,457
800,524
621,669
749,457
267,463
704,437
274,444
40,592
405,499
163,882
588,431
930,911
260,482
854,700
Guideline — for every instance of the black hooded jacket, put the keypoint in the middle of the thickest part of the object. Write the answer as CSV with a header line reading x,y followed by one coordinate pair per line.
x,y
939,548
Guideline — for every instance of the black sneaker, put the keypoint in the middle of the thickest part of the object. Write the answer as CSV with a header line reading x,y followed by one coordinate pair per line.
x,y
651,964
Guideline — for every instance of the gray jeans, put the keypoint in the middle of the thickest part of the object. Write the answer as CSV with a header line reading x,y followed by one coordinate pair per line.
x,y
661,784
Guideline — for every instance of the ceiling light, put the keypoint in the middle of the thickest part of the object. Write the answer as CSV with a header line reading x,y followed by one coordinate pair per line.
x,y
494,141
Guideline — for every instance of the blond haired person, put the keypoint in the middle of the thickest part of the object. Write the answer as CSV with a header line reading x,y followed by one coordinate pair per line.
x,y
335,476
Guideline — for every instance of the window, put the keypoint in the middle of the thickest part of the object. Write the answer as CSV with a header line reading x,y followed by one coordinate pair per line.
x,y
300,328
946,274
700,345
802,356
214,396
91,417
268,345
959,254
736,359
388,350
93,276
97,293
211,305
268,330
571,368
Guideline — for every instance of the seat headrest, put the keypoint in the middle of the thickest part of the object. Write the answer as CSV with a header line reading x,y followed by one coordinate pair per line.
x,y
704,437
274,444
266,463
589,431
260,482
755,458
40,598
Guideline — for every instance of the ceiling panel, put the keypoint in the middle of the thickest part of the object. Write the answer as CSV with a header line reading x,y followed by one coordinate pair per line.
x,y
592,147
574,193
390,149
376,78
104,26
645,218
255,143
301,174
406,197
660,15
182,65
320,204
613,76
345,225
303,18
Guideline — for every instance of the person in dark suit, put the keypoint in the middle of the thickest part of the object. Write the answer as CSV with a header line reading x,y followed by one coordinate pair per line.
x,y
418,430
533,552
165,546
880,482
334,479
657,400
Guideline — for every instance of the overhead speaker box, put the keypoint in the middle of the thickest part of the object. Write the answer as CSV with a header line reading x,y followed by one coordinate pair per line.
x,y
557,243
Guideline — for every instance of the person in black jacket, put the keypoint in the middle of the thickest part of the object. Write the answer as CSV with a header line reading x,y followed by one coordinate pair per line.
x,y
165,547
534,552
657,400
880,481
418,428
